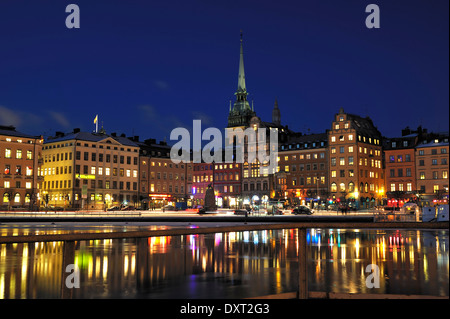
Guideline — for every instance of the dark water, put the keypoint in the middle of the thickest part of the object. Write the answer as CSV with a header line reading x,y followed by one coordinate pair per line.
x,y
230,265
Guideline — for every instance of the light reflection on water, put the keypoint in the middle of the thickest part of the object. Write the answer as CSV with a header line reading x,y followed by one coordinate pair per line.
x,y
231,265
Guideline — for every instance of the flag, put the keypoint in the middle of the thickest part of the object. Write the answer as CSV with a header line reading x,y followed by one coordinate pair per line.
x,y
96,119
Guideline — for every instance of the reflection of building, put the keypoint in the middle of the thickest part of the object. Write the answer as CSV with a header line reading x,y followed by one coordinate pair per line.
x,y
432,160
20,165
355,160
90,170
303,162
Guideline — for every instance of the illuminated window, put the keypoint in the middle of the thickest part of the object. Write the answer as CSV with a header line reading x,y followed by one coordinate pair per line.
x,y
93,170
350,149
7,153
444,174
342,187
107,171
17,198
342,161
333,139
333,173
6,184
350,137
19,154
333,187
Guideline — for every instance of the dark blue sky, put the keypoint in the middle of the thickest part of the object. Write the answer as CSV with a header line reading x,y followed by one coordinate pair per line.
x,y
147,67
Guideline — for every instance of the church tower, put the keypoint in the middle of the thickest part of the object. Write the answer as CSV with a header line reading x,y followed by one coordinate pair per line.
x,y
276,115
241,112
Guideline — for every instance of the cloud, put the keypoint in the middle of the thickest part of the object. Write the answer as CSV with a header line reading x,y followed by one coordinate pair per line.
x,y
206,119
60,119
9,117
162,85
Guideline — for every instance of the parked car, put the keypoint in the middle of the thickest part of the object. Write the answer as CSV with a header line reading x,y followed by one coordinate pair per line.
x,y
128,208
114,208
302,210
169,208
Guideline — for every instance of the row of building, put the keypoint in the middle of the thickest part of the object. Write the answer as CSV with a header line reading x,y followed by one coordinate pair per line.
x,y
351,162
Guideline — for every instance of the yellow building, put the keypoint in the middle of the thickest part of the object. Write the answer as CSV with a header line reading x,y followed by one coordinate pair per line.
x,y
90,170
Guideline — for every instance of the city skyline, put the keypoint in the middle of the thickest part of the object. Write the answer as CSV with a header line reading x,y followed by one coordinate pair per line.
x,y
146,69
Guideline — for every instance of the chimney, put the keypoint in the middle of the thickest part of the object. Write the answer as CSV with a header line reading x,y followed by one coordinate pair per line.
x,y
59,134
122,135
113,134
76,130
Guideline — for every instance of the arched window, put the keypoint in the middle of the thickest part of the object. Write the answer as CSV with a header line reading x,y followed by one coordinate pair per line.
x,y
342,187
366,188
351,187
17,198
27,198
333,187
5,198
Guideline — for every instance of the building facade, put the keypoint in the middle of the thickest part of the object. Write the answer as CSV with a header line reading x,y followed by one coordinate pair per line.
x,y
162,182
302,173
355,161
432,167
20,161
400,169
85,170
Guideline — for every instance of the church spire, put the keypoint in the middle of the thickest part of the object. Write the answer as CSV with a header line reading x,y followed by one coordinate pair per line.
x,y
241,77
276,115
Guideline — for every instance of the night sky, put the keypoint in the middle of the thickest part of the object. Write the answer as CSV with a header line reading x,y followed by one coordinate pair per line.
x,y
146,67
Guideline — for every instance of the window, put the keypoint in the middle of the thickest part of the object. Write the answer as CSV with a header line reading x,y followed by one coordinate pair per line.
x,y
399,158
408,172
435,188
342,187
421,162
333,173
351,187
333,187
434,162
333,161
392,158
333,139
409,187
400,172
350,160
444,161
350,137
392,187
443,151
435,175
342,161
444,174
421,152
422,175
407,158
342,149
7,153
400,187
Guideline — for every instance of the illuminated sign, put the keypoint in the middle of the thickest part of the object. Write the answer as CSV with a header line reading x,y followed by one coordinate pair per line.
x,y
83,176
